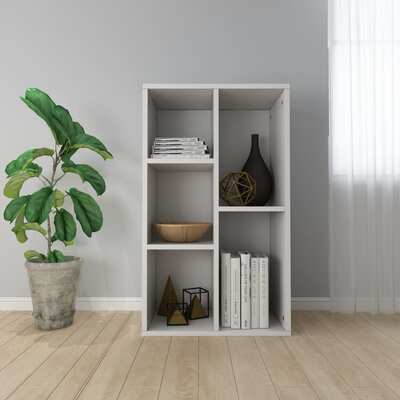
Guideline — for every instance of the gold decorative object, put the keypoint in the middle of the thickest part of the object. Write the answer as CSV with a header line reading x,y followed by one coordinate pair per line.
x,y
177,314
198,299
182,233
168,297
196,310
238,188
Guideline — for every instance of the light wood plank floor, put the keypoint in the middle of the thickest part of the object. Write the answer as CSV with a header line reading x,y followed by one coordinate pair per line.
x,y
103,357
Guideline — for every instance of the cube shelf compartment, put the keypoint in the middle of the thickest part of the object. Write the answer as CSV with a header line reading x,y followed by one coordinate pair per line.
x,y
187,190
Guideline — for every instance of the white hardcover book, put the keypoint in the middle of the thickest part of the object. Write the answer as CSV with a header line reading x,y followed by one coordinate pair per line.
x,y
235,291
225,289
264,291
255,291
245,300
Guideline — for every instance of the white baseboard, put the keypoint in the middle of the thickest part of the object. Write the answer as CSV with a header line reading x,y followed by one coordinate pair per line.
x,y
82,303
135,303
311,303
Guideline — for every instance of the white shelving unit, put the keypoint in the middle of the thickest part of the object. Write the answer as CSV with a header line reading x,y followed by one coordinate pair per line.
x,y
187,190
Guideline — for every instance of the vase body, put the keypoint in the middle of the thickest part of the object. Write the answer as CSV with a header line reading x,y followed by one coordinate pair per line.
x,y
256,167
54,288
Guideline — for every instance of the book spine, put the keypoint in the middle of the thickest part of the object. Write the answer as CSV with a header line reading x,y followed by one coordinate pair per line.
x,y
226,289
264,292
255,292
245,290
235,292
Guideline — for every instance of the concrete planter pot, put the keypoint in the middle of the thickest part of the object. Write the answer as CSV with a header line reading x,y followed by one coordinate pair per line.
x,y
54,288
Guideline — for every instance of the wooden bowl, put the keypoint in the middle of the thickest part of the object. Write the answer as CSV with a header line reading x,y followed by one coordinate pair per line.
x,y
182,233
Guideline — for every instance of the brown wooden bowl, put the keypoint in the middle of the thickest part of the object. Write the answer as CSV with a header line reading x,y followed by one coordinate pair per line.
x,y
182,233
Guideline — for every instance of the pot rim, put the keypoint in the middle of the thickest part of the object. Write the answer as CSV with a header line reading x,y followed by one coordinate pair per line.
x,y
43,266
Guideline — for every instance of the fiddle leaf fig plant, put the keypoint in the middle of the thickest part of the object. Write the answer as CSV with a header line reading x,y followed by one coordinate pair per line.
x,y
46,206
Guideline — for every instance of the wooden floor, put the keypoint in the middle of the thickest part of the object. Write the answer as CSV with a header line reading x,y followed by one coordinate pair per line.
x,y
103,356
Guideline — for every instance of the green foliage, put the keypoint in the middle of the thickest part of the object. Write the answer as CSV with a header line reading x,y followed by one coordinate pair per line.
x,y
14,184
34,256
14,207
40,205
29,211
87,211
24,161
55,256
65,226
58,198
87,174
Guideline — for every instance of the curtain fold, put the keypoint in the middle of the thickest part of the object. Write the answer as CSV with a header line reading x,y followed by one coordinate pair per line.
x,y
364,51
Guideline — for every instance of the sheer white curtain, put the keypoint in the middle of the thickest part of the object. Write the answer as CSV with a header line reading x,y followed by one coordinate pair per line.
x,y
364,48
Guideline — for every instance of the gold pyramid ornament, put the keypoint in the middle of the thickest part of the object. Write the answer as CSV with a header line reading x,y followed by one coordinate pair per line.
x,y
177,317
168,297
196,309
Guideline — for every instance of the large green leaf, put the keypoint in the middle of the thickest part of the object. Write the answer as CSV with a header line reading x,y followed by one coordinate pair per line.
x,y
65,225
66,152
24,161
87,211
14,184
14,207
39,205
87,174
20,229
43,106
81,141
34,256
62,122
19,222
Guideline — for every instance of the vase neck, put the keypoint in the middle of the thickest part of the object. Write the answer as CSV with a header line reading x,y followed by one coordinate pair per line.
x,y
254,143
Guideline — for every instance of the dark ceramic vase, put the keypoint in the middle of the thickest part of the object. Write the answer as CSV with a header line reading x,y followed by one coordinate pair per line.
x,y
256,167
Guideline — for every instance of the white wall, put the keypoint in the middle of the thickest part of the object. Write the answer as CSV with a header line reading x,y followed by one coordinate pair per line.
x,y
92,56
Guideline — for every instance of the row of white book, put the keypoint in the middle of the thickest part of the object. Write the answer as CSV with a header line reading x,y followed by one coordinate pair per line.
x,y
179,147
244,290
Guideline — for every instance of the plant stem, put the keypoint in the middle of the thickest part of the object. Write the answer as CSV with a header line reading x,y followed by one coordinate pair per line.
x,y
58,179
46,179
52,183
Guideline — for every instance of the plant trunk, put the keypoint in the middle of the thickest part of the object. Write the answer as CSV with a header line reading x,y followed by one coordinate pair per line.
x,y
53,175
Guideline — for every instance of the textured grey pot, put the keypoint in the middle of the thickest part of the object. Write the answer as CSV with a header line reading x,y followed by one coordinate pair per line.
x,y
54,288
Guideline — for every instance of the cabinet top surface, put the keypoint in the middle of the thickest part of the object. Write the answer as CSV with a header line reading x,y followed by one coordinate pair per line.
x,y
216,86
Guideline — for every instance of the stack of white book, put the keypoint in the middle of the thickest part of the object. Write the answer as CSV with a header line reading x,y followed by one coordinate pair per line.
x,y
244,290
179,147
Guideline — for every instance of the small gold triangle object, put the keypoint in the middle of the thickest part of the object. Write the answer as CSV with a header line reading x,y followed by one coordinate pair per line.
x,y
196,309
176,317
168,297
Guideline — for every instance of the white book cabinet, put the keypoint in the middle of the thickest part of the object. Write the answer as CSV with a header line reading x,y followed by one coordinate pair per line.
x,y
187,190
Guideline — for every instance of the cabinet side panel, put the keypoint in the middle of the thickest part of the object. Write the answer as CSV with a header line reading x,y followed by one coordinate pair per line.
x,y
280,240
144,205
215,207
152,125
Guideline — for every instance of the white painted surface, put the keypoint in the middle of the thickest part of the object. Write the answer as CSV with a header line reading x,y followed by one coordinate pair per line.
x,y
249,209
187,195
202,245
181,165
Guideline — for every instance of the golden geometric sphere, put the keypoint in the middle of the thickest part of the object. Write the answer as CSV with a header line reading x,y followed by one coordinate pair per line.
x,y
238,188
